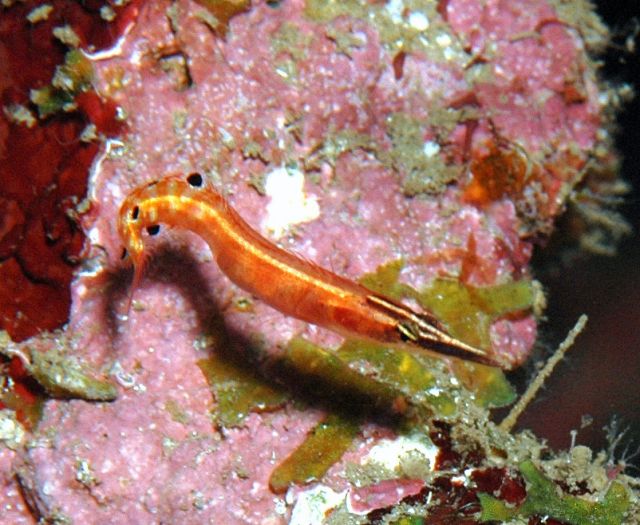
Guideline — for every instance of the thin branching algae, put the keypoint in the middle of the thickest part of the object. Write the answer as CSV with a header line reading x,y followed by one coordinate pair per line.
x,y
537,383
544,499
323,447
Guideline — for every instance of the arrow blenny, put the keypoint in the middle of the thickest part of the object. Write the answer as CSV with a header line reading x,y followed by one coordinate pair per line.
x,y
284,281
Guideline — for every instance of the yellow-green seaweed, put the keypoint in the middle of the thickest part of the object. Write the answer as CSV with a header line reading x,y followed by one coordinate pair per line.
x,y
468,312
543,499
238,391
409,520
489,385
385,280
71,77
323,447
402,371
64,377
316,362
421,173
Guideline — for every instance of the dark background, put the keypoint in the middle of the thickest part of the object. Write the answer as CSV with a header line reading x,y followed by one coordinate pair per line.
x,y
601,375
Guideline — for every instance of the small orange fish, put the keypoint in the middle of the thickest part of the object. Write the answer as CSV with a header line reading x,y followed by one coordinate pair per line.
x,y
292,285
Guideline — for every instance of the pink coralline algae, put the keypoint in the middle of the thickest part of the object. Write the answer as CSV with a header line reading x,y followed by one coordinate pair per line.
x,y
438,139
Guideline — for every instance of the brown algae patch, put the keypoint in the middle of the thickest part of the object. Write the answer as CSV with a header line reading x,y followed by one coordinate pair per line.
x,y
324,446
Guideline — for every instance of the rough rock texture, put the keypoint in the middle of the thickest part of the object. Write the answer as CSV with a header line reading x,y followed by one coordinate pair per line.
x,y
376,110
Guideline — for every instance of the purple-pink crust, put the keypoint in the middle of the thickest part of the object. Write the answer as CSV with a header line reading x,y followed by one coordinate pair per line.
x,y
279,93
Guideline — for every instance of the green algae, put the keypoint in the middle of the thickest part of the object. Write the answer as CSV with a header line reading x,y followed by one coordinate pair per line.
x,y
347,42
289,47
389,379
409,520
290,39
468,312
432,36
422,172
323,447
386,280
403,372
315,362
70,78
327,10
543,499
63,376
337,143
490,387
238,391
176,412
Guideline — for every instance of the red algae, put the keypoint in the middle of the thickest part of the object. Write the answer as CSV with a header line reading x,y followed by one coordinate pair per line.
x,y
45,162
22,394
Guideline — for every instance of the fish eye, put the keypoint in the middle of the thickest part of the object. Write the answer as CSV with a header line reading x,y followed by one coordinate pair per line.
x,y
195,180
124,254
153,230
135,213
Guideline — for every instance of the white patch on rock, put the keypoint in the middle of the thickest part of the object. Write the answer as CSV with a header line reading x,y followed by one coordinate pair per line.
x,y
12,433
312,506
289,204
444,40
389,452
430,148
394,9
418,21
